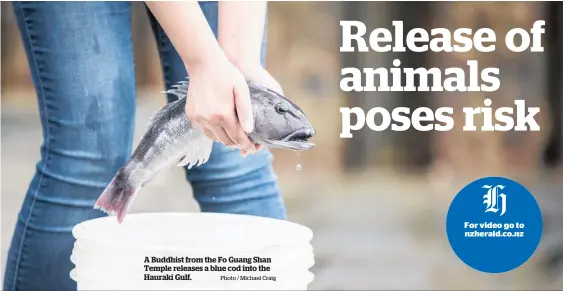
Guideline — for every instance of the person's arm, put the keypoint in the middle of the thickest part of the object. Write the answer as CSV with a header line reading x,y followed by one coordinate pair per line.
x,y
188,31
217,89
241,29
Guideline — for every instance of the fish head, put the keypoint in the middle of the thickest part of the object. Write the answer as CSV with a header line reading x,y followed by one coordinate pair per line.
x,y
278,122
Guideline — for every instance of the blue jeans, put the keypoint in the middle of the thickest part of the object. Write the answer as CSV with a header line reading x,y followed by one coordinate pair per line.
x,y
81,60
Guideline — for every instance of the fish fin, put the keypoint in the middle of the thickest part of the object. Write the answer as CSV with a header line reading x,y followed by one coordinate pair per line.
x,y
117,197
198,153
159,113
180,90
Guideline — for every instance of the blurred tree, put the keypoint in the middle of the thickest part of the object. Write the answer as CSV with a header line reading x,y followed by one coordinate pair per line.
x,y
368,147
522,76
303,42
415,145
14,70
554,47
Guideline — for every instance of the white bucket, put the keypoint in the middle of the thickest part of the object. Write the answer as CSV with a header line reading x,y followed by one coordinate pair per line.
x,y
108,255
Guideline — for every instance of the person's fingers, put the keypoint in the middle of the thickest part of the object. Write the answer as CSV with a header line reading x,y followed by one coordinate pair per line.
x,y
223,137
220,134
201,126
244,107
237,135
210,134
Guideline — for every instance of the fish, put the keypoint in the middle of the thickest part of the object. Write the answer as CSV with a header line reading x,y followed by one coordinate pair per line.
x,y
171,139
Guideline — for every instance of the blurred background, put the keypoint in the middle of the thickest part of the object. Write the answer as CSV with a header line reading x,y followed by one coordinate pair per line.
x,y
376,203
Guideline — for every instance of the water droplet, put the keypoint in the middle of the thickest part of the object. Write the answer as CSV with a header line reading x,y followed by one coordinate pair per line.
x,y
298,167
213,197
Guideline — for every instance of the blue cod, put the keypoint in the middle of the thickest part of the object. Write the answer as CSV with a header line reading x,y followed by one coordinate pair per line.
x,y
170,139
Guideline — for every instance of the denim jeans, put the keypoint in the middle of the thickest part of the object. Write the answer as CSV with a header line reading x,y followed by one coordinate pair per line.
x,y
81,59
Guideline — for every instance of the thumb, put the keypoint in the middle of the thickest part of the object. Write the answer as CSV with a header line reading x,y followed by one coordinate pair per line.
x,y
244,107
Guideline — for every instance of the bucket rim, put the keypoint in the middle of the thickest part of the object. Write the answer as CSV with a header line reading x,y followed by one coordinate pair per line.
x,y
79,233
308,261
191,250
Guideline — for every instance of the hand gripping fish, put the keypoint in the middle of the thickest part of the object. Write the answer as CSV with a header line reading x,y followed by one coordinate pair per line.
x,y
171,139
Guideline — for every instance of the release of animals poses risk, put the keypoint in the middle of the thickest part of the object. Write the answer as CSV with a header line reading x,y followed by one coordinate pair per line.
x,y
440,40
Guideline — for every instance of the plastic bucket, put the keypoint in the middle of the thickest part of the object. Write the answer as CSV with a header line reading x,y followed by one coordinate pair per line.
x,y
94,250
294,256
171,232
108,255
117,265
280,250
130,267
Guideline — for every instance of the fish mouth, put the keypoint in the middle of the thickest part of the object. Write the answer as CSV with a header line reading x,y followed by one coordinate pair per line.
x,y
301,135
297,145
297,140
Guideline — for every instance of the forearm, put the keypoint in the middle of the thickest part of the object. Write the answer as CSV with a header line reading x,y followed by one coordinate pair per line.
x,y
188,30
241,29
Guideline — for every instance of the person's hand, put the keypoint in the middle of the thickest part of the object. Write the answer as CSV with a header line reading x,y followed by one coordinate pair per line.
x,y
256,74
260,76
218,104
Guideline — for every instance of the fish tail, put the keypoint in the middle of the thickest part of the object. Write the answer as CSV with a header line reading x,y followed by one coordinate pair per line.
x,y
117,197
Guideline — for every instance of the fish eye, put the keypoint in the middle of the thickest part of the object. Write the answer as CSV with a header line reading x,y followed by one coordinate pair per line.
x,y
281,108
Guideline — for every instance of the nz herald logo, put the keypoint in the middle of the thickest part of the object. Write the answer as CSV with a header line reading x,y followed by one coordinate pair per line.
x,y
494,200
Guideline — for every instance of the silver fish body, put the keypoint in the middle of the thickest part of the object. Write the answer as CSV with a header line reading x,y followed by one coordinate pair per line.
x,y
170,139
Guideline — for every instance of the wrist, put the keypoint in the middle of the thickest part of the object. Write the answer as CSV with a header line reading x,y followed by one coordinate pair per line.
x,y
246,65
206,58
242,58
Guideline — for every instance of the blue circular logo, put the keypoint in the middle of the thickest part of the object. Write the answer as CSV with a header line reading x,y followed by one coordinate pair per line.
x,y
494,225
